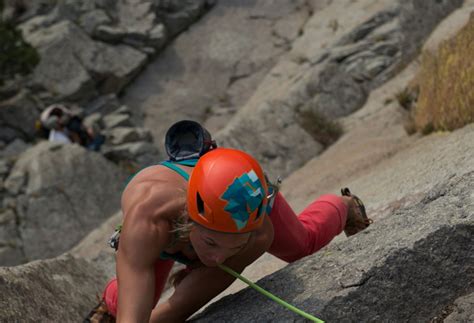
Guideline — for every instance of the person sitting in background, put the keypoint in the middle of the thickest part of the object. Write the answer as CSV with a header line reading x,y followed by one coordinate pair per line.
x,y
53,119
62,125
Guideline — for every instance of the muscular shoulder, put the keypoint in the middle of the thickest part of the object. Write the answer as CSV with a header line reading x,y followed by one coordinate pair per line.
x,y
154,194
149,203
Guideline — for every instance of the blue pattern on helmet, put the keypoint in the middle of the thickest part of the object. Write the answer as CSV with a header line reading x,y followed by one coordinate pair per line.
x,y
244,196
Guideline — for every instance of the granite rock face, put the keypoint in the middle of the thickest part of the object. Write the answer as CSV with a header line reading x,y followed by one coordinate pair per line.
x,y
89,48
331,77
57,193
17,117
56,290
408,266
76,68
461,310
208,73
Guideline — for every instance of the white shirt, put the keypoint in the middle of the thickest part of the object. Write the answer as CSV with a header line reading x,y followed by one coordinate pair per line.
x,y
59,136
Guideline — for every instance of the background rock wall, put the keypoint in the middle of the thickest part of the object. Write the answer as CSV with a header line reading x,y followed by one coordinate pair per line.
x,y
335,59
334,80
55,194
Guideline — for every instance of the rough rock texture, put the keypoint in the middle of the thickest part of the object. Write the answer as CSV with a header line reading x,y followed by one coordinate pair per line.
x,y
332,78
144,24
56,290
17,117
95,248
10,254
11,151
462,310
373,135
58,194
77,64
75,68
125,144
211,71
408,266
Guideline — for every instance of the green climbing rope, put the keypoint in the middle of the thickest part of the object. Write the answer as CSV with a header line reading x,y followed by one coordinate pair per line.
x,y
270,295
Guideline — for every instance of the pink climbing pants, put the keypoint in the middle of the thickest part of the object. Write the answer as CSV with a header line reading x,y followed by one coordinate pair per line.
x,y
299,236
295,237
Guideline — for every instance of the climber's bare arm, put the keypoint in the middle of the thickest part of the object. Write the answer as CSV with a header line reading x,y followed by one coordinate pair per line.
x,y
145,234
204,283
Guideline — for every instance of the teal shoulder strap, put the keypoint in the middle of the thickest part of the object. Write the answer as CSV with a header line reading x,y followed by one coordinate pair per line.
x,y
170,164
187,162
173,166
177,169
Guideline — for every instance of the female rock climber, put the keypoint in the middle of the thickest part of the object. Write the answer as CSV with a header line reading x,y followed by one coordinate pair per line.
x,y
226,213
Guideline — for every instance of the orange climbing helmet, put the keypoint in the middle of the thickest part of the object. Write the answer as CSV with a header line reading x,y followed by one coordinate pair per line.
x,y
227,192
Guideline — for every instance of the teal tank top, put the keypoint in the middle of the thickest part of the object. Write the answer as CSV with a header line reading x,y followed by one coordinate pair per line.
x,y
179,257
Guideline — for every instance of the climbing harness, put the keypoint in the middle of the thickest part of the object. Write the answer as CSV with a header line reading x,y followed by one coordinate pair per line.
x,y
115,237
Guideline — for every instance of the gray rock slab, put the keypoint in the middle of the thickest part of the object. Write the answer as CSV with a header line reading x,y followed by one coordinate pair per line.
x,y
306,76
129,151
67,192
462,310
111,34
29,9
157,36
19,115
209,65
350,94
55,290
60,70
14,149
7,134
11,254
177,15
74,67
15,183
114,67
93,121
104,104
116,120
6,217
37,22
92,19
123,110
121,135
406,267
8,230
95,248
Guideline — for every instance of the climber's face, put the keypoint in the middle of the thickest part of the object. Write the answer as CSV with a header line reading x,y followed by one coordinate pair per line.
x,y
214,247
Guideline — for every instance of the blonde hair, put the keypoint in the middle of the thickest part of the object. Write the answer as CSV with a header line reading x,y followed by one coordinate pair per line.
x,y
181,225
